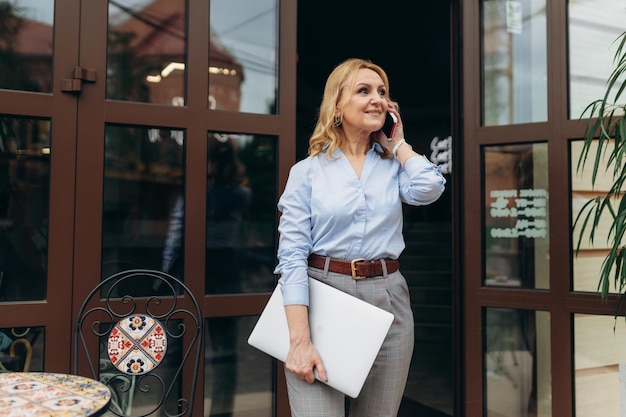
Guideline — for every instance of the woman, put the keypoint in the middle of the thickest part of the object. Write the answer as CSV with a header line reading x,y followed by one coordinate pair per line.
x,y
342,203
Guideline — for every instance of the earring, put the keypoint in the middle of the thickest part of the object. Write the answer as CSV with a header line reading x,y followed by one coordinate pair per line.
x,y
338,120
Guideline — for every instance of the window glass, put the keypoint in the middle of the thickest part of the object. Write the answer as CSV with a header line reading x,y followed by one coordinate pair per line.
x,y
588,256
146,52
243,56
516,215
240,213
517,371
599,365
238,379
514,62
24,207
21,349
26,55
143,178
593,27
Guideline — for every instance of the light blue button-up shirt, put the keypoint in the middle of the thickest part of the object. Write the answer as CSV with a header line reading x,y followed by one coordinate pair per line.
x,y
327,210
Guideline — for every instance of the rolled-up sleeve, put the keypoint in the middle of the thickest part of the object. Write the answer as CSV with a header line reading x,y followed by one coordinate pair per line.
x,y
294,229
421,181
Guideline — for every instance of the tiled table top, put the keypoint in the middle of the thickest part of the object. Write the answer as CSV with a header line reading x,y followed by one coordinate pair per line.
x,y
24,394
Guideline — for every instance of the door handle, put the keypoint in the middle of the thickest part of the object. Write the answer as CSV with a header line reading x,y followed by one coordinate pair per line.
x,y
80,75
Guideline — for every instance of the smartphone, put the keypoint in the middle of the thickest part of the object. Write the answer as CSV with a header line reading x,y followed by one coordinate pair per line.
x,y
390,125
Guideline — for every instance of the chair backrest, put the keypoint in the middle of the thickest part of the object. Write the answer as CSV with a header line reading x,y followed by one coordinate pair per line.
x,y
140,332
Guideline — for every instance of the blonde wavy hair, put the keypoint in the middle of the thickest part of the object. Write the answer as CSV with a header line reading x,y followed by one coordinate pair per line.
x,y
343,77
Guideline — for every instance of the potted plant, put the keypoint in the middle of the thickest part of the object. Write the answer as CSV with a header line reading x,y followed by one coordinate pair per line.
x,y
606,134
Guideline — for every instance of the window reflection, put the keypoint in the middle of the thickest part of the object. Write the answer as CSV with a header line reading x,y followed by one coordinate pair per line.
x,y
21,349
588,257
593,27
146,53
240,210
26,30
514,60
238,379
240,216
143,177
517,363
228,204
244,41
24,207
599,368
516,215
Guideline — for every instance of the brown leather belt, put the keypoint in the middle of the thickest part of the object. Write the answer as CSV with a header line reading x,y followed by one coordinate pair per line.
x,y
357,268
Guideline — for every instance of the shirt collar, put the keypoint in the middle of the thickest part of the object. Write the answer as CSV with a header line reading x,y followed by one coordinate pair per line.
x,y
375,146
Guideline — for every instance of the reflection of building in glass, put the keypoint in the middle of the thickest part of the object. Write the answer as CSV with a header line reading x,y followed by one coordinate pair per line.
x,y
25,64
154,40
24,197
25,52
144,169
226,76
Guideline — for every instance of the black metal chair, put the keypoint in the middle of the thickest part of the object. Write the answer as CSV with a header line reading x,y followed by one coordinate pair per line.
x,y
146,328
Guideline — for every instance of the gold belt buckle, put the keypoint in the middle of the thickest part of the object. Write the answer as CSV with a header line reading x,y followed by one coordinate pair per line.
x,y
353,267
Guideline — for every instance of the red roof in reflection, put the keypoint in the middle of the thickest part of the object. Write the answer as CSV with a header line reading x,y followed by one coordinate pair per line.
x,y
159,30
35,38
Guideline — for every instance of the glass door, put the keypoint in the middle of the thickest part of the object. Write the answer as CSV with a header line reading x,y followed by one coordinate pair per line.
x,y
145,134
181,146
38,102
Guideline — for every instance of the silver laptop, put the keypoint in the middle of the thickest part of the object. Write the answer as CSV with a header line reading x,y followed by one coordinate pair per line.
x,y
346,331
